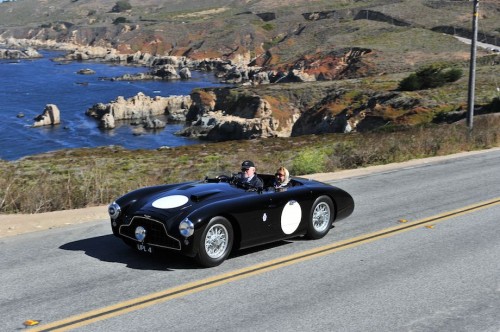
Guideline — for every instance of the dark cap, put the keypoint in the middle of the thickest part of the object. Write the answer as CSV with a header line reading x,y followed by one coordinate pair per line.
x,y
247,164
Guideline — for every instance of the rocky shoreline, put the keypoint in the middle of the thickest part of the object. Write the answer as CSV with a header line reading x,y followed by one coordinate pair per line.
x,y
231,71
207,114
254,107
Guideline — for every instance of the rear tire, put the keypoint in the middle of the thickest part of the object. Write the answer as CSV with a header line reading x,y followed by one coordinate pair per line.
x,y
320,218
216,242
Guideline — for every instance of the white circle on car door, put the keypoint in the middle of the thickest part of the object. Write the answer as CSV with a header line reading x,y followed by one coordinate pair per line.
x,y
290,217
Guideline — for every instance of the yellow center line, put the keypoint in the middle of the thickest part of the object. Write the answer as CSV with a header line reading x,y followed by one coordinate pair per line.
x,y
200,285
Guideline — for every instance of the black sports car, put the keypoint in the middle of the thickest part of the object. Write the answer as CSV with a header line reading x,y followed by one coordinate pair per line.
x,y
207,219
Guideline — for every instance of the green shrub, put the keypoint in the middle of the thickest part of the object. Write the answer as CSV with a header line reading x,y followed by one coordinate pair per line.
x,y
453,74
410,83
309,161
431,76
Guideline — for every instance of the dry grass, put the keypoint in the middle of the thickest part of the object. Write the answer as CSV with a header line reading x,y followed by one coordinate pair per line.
x,y
78,178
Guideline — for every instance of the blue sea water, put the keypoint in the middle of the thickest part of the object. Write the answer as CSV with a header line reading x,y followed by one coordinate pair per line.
x,y
26,86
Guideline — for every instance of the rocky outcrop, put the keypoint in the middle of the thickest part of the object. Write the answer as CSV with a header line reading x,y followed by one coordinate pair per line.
x,y
50,116
337,64
298,109
342,112
140,107
163,72
106,54
12,54
216,115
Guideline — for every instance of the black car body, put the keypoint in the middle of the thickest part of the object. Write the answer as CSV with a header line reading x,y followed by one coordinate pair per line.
x,y
207,219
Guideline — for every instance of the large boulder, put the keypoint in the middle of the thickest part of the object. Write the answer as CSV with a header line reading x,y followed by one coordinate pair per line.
x,y
150,123
166,72
107,121
185,73
50,116
86,71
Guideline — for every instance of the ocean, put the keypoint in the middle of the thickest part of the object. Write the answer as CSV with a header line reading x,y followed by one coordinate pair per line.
x,y
26,86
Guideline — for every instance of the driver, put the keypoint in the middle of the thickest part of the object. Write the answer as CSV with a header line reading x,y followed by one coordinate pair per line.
x,y
248,177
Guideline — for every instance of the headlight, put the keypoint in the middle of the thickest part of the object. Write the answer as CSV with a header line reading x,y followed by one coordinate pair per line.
x,y
114,210
186,228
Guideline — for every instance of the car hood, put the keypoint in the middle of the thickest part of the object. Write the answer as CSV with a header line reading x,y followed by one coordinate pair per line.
x,y
168,201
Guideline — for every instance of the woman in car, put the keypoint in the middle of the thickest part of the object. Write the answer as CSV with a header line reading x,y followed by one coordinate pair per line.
x,y
282,179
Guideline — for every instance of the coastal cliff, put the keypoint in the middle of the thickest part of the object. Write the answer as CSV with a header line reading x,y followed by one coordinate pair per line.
x,y
285,110
298,109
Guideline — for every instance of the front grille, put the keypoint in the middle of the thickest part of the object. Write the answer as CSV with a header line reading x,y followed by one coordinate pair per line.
x,y
156,233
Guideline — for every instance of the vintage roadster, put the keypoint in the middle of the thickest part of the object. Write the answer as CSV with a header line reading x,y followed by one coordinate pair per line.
x,y
207,219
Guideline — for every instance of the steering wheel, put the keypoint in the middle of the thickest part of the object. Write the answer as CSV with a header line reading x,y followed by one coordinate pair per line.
x,y
223,178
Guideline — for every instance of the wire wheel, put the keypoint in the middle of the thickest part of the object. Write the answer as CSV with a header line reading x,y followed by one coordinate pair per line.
x,y
216,241
321,218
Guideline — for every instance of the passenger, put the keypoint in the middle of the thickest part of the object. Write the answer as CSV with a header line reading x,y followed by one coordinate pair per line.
x,y
248,176
282,179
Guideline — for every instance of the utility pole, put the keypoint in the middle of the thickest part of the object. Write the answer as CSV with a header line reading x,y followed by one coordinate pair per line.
x,y
472,68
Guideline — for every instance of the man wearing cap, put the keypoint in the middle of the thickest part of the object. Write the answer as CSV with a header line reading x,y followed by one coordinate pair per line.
x,y
248,175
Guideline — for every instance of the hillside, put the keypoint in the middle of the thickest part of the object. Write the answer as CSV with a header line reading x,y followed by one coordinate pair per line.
x,y
400,33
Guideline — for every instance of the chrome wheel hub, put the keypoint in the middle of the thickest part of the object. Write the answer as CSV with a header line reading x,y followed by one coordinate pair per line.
x,y
321,217
216,241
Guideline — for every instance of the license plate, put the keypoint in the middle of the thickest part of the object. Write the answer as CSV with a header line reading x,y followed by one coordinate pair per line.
x,y
144,248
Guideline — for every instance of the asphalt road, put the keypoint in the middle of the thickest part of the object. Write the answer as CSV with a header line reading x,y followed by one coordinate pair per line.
x,y
440,274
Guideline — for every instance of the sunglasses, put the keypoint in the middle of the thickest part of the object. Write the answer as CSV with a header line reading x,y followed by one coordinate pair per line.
x,y
245,169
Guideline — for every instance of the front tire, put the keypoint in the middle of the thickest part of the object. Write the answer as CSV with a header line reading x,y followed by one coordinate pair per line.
x,y
320,218
215,243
